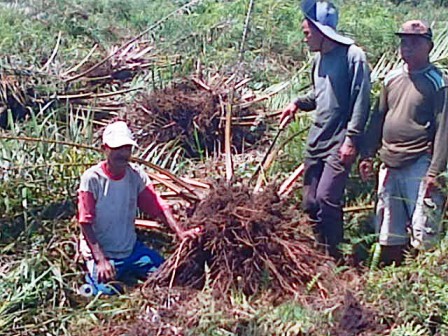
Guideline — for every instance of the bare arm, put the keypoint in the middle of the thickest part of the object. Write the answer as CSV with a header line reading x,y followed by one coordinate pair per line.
x,y
151,204
305,103
373,136
374,131
86,213
167,218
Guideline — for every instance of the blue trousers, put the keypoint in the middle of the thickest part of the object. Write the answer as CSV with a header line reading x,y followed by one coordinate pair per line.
x,y
405,210
138,265
323,198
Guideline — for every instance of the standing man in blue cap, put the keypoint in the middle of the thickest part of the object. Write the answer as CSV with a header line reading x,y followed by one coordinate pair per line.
x,y
340,95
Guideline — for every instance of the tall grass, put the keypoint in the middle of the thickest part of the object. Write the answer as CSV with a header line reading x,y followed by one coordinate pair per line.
x,y
39,272
415,294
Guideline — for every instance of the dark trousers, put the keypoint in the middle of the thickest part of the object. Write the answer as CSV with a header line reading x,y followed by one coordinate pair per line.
x,y
323,193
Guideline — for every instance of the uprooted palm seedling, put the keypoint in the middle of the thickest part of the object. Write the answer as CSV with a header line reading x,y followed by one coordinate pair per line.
x,y
250,247
90,86
193,112
249,242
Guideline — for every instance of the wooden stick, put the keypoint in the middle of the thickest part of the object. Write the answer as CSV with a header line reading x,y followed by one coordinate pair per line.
x,y
53,54
267,157
170,185
267,163
243,82
176,263
359,208
201,84
287,186
227,143
193,182
76,67
149,225
91,95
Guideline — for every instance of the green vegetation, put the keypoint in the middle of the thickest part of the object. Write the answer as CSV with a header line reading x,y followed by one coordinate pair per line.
x,y
39,273
417,293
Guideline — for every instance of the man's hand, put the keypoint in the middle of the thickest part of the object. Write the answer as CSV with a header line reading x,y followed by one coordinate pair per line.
x,y
189,234
432,183
287,114
106,272
366,169
167,218
347,153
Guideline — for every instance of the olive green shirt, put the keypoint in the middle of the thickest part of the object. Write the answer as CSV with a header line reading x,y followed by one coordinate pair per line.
x,y
411,119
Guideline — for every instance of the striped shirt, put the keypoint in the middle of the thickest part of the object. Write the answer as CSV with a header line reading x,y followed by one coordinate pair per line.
x,y
411,119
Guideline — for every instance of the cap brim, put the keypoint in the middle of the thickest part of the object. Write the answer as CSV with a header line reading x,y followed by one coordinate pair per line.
x,y
331,33
120,142
428,37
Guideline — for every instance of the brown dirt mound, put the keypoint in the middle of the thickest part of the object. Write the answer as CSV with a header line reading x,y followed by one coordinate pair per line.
x,y
190,114
249,242
176,312
357,320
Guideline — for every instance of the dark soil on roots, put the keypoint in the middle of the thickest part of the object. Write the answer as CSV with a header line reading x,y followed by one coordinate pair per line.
x,y
357,320
191,115
254,244
250,242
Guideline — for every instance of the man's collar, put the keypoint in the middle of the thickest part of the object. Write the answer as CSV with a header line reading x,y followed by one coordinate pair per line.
x,y
109,174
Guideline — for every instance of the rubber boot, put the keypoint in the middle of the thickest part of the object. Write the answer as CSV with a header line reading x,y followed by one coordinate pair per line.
x,y
392,255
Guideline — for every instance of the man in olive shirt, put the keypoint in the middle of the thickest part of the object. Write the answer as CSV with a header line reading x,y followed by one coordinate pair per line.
x,y
410,128
340,95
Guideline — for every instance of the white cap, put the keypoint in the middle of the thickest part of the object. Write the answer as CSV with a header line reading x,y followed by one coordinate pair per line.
x,y
118,134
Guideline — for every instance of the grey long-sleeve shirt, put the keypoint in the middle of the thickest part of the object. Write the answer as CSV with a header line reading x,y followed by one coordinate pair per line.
x,y
341,97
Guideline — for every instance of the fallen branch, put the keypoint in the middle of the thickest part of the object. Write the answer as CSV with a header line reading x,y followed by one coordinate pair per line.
x,y
149,225
80,64
266,161
360,208
53,54
126,44
177,180
287,186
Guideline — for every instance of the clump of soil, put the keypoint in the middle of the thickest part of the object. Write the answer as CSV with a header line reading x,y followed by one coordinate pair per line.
x,y
15,95
249,242
357,320
192,115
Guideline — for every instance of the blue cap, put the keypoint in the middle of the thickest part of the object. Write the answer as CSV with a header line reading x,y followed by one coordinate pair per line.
x,y
325,17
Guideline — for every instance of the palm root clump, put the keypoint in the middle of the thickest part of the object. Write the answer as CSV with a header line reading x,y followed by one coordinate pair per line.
x,y
249,241
192,114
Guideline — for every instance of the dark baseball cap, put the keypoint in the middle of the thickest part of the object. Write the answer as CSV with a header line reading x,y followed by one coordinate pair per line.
x,y
415,27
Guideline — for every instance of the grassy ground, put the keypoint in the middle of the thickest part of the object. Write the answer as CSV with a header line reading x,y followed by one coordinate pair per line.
x,y
38,270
